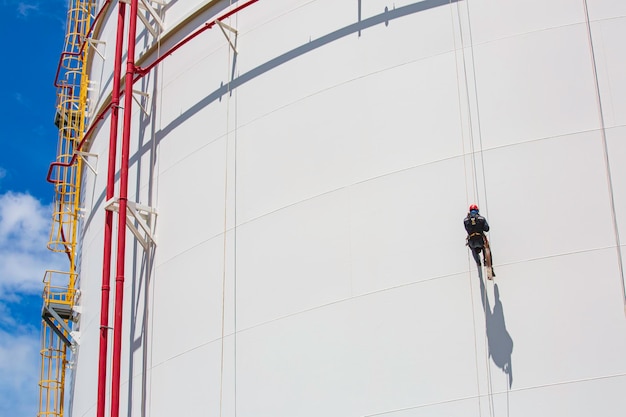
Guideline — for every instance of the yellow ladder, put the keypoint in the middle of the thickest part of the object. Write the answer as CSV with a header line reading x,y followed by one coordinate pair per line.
x,y
59,295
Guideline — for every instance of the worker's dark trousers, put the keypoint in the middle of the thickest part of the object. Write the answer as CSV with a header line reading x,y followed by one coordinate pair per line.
x,y
476,243
477,254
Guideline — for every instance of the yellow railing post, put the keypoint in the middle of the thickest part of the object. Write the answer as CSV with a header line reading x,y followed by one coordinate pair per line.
x,y
59,287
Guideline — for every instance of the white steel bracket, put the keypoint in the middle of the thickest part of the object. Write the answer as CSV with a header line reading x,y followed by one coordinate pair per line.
x,y
75,337
92,86
94,43
146,95
223,26
145,5
77,310
84,155
145,217
82,212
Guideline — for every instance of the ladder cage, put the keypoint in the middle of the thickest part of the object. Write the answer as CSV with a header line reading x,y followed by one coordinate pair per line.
x,y
59,293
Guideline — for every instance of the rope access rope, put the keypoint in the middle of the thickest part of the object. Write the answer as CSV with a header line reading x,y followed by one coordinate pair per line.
x,y
232,74
474,183
234,236
478,125
156,204
467,199
605,151
482,160
458,93
224,241
469,118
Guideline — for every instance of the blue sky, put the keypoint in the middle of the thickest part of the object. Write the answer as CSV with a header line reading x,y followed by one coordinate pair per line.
x,y
33,34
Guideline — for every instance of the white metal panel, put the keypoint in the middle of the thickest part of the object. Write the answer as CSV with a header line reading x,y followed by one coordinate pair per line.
x,y
207,57
347,358
535,86
492,20
283,27
568,343
611,65
340,55
197,392
190,135
91,282
93,191
456,407
576,399
142,171
293,260
406,227
606,9
616,146
85,374
101,68
285,159
187,300
537,211
192,193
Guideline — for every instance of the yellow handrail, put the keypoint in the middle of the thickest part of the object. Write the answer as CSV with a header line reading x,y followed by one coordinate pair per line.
x,y
59,292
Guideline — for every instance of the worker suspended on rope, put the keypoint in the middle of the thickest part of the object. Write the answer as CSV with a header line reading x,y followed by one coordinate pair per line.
x,y
476,226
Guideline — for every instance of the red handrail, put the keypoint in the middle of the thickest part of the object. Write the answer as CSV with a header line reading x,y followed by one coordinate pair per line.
x,y
82,46
141,73
131,71
59,85
78,148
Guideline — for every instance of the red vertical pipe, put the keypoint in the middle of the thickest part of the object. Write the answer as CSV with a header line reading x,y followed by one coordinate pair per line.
x,y
121,230
108,215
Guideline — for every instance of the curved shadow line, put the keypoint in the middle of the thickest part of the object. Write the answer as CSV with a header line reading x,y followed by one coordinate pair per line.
x,y
357,27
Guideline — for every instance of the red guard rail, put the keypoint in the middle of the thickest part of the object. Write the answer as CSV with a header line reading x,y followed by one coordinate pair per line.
x,y
141,72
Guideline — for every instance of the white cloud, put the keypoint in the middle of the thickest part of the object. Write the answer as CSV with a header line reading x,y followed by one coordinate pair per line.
x,y
24,258
47,9
24,233
19,362
19,367
24,9
19,97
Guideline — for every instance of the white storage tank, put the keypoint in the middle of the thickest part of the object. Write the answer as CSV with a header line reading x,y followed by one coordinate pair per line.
x,y
309,164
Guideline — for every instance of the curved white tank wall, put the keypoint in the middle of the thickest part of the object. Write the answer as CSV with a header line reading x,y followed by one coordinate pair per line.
x,y
310,194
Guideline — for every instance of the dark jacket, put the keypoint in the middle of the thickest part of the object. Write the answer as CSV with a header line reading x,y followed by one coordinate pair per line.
x,y
475,226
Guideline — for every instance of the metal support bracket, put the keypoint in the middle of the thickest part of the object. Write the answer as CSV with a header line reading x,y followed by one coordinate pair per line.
x,y
84,155
92,86
77,310
145,5
144,216
48,312
146,95
94,43
223,26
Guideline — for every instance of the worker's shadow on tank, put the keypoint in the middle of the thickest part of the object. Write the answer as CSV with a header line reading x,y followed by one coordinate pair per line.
x,y
499,340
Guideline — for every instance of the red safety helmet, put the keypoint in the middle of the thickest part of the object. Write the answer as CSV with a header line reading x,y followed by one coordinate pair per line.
x,y
473,207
